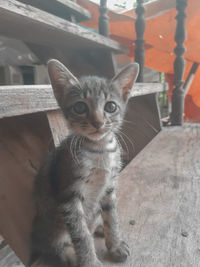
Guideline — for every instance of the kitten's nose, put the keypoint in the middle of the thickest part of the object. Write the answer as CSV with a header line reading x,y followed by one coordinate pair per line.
x,y
98,124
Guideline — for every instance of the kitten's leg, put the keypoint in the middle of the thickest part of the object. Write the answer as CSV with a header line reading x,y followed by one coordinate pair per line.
x,y
96,227
118,249
80,235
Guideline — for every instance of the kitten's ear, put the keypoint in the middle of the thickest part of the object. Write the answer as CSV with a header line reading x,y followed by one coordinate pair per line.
x,y
61,79
126,79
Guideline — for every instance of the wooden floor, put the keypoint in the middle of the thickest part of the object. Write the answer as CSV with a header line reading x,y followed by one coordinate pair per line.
x,y
159,202
7,256
160,191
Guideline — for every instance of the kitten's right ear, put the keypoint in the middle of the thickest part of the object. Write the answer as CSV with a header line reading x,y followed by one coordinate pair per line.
x,y
61,79
126,79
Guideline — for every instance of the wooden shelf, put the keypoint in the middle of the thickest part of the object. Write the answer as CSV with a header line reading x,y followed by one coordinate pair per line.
x,y
30,24
61,8
27,99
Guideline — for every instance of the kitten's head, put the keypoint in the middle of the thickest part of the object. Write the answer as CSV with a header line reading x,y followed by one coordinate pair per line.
x,y
93,106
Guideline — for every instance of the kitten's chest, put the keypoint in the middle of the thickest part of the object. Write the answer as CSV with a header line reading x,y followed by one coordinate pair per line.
x,y
106,158
93,189
97,171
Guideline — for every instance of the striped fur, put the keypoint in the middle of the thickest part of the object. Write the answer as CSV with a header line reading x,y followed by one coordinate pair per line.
x,y
77,181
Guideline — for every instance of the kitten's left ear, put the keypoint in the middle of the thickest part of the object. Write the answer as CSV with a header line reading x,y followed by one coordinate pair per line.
x,y
62,79
126,79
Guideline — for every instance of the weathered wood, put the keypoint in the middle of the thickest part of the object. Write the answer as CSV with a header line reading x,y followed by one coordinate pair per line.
x,y
58,126
78,11
24,140
160,192
19,100
155,8
179,65
27,23
142,123
140,29
61,8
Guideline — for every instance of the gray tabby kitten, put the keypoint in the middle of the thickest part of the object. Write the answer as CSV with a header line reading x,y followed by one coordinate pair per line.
x,y
78,181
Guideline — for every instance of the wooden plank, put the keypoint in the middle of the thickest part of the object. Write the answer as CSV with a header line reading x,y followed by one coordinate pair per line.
x,y
24,141
19,100
79,12
26,99
154,9
61,8
160,192
58,126
30,24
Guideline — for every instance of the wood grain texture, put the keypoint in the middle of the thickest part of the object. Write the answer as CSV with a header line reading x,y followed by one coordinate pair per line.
x,y
30,24
24,140
79,12
61,8
25,99
58,126
160,191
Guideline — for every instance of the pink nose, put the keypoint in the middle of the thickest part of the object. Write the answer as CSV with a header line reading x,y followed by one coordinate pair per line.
x,y
98,124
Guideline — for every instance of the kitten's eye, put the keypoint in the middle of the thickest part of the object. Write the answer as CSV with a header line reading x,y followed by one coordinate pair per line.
x,y
110,107
80,107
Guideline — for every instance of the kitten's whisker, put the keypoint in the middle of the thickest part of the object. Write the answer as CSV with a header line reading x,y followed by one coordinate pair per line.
x,y
151,126
136,128
148,123
128,138
127,121
120,146
81,142
127,149
71,148
76,149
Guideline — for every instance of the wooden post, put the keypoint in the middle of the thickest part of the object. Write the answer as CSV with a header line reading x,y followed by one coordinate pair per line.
x,y
109,62
140,29
103,19
179,65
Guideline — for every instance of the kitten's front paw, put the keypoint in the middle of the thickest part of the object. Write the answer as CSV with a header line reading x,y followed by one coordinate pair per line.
x,y
120,252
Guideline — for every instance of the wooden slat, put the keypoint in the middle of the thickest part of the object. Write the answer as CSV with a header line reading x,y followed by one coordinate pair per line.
x,y
30,24
24,141
26,99
61,8
58,126
76,9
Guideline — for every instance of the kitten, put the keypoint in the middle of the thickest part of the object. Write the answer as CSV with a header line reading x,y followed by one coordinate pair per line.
x,y
78,181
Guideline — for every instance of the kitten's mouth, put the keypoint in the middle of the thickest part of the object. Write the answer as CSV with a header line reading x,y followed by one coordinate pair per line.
x,y
98,134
